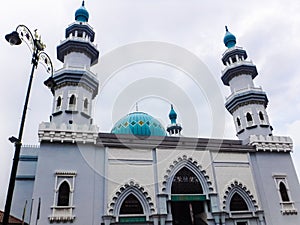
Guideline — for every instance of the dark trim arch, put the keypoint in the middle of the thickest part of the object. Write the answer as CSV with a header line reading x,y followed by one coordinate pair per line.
x,y
126,190
193,166
242,190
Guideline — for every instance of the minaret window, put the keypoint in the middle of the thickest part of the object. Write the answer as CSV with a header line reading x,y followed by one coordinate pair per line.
x,y
58,103
261,116
72,102
85,105
283,192
238,122
249,119
63,194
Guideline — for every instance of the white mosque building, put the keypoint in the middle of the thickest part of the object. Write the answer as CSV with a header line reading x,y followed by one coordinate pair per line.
x,y
143,172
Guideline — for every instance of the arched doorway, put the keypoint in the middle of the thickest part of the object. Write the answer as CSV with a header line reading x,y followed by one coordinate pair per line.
x,y
188,202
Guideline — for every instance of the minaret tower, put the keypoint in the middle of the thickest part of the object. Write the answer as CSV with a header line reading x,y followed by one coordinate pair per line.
x,y
247,103
174,129
75,86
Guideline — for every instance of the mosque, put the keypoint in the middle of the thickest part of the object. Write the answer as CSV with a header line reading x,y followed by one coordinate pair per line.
x,y
144,172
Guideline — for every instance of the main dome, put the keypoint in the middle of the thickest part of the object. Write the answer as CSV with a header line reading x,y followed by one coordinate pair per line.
x,y
139,123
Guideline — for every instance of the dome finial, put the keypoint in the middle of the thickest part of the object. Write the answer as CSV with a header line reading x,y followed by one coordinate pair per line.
x,y
82,3
229,39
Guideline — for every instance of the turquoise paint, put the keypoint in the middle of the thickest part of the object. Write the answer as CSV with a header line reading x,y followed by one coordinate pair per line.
x,y
229,39
81,14
139,123
172,115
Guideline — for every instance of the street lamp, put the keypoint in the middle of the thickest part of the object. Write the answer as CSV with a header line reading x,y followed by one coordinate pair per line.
x,y
22,33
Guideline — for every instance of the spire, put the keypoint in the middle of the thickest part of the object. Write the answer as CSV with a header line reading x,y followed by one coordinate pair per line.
x,y
229,39
174,128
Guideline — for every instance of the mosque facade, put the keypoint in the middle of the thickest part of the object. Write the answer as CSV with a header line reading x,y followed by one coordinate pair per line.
x,y
145,173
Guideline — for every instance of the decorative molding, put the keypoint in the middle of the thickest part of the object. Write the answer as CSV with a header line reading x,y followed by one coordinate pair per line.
x,y
192,165
238,187
65,173
271,143
73,133
131,188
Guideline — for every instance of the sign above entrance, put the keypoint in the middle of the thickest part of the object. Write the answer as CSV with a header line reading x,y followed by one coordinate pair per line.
x,y
181,198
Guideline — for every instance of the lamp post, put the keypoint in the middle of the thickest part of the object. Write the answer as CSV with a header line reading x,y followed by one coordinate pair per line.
x,y
22,33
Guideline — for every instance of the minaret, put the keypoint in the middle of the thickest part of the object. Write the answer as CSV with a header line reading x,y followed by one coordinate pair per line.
x,y
247,103
75,86
174,129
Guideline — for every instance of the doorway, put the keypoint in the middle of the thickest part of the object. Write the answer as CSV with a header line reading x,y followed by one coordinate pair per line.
x,y
188,213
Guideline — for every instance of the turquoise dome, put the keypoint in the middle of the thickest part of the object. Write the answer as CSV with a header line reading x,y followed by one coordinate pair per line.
x,y
229,39
140,124
81,14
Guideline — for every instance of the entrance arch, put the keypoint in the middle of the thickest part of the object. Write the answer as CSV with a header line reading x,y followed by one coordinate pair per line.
x,y
188,188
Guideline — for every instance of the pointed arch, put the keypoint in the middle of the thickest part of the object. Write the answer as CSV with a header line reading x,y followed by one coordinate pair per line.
x,y
249,117
131,205
72,100
283,192
58,102
186,182
192,166
237,197
85,104
237,203
238,121
134,192
63,197
261,116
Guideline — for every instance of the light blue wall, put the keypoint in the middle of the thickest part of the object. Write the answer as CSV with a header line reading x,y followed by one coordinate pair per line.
x,y
89,183
265,165
25,181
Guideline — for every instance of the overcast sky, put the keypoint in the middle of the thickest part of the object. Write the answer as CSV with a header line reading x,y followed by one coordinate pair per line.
x,y
268,30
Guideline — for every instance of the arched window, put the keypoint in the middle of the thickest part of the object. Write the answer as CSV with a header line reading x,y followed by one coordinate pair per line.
x,y
63,194
261,116
72,100
131,205
249,117
237,203
283,192
58,102
238,122
186,182
85,104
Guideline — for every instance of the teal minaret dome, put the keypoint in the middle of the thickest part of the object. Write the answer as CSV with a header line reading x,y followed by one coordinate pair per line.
x,y
139,124
172,115
229,39
174,129
81,14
